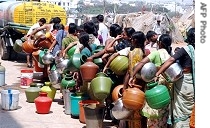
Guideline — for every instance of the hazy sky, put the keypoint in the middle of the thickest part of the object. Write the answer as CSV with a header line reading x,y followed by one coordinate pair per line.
x,y
180,1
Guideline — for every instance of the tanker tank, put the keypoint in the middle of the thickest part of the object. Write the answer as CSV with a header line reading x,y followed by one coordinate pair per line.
x,y
16,17
28,13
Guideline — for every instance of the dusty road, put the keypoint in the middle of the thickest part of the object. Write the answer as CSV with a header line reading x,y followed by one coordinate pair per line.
x,y
25,116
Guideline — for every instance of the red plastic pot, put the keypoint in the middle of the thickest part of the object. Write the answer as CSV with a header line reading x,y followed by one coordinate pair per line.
x,y
43,103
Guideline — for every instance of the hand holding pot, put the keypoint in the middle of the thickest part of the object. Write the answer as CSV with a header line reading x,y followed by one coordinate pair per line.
x,y
131,81
105,69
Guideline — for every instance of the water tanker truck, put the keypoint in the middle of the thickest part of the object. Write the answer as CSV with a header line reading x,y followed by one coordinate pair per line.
x,y
16,17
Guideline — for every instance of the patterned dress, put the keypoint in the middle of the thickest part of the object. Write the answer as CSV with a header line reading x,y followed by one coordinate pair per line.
x,y
135,56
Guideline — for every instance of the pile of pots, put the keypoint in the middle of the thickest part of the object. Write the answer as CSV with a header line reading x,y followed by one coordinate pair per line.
x,y
98,85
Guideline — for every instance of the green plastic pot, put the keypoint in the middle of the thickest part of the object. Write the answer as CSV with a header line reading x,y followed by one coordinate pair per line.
x,y
76,61
119,65
68,81
41,54
157,96
32,92
98,61
18,45
71,51
101,86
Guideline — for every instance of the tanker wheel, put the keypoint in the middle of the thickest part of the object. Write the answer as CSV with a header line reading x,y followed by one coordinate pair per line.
x,y
4,51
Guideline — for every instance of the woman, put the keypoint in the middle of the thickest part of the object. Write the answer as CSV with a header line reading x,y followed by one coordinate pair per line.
x,y
135,53
57,44
91,28
158,58
71,37
114,31
183,89
82,46
116,44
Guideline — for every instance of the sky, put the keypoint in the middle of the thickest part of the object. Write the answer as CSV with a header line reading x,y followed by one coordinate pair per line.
x,y
180,1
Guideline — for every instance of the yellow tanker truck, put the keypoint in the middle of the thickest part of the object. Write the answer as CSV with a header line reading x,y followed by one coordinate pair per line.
x,y
16,17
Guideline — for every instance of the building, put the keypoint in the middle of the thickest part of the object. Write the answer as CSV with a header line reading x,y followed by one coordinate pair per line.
x,y
66,4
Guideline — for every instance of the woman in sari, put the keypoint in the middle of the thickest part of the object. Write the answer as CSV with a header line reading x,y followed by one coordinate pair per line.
x,y
156,118
183,89
135,53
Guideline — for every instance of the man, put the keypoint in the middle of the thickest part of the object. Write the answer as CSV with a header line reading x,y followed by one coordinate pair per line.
x,y
103,30
152,38
158,28
40,23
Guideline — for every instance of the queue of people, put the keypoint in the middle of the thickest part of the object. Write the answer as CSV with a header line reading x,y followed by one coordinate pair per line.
x,y
140,48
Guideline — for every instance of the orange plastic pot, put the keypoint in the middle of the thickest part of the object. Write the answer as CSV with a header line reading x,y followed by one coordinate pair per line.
x,y
35,55
88,70
117,92
36,67
133,98
28,47
81,108
45,44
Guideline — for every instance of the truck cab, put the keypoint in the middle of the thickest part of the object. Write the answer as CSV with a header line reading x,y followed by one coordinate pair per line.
x,y
16,17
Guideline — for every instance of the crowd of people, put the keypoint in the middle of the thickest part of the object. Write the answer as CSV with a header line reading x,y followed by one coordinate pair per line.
x,y
154,46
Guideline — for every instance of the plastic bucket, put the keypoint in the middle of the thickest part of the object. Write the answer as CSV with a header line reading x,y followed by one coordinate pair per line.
x,y
26,78
94,114
9,99
81,108
75,104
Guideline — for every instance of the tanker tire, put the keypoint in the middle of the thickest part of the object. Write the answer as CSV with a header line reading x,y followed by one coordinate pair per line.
x,y
4,51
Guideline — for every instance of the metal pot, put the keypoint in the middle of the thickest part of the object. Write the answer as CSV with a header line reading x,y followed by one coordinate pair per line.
x,y
173,72
61,64
147,73
48,58
54,76
119,112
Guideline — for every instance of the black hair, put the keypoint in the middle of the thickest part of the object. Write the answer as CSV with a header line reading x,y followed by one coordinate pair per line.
x,y
84,40
140,37
100,18
89,27
96,27
150,34
61,27
80,28
56,26
166,41
115,30
191,37
56,20
72,28
129,31
43,20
